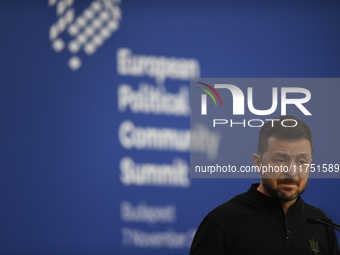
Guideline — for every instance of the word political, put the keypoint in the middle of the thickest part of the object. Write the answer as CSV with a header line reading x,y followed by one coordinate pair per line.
x,y
238,100
149,99
253,122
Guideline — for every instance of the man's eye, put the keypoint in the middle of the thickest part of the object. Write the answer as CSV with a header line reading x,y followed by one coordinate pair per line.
x,y
302,162
280,160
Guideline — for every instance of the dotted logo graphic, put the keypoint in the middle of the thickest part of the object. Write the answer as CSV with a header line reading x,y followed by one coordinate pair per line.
x,y
88,31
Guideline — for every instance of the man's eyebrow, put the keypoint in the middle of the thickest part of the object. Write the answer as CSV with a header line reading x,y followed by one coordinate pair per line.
x,y
284,155
280,154
302,155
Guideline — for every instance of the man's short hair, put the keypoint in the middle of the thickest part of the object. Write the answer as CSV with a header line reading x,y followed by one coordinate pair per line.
x,y
275,129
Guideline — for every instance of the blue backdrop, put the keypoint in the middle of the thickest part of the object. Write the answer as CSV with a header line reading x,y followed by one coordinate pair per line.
x,y
95,114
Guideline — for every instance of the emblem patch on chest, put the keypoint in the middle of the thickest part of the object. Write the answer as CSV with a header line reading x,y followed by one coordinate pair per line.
x,y
314,245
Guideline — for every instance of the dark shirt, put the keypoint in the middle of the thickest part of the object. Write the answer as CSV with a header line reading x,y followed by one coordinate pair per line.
x,y
253,223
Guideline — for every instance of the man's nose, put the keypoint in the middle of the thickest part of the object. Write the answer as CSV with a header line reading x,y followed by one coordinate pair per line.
x,y
291,170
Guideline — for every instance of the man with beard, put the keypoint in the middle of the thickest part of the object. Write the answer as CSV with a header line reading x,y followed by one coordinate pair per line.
x,y
271,217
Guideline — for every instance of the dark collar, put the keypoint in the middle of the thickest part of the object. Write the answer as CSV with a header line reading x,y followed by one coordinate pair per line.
x,y
272,204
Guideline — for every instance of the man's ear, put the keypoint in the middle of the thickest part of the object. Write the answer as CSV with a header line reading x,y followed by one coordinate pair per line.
x,y
257,160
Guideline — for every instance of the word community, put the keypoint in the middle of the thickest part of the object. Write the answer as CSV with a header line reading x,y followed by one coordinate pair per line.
x,y
254,122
